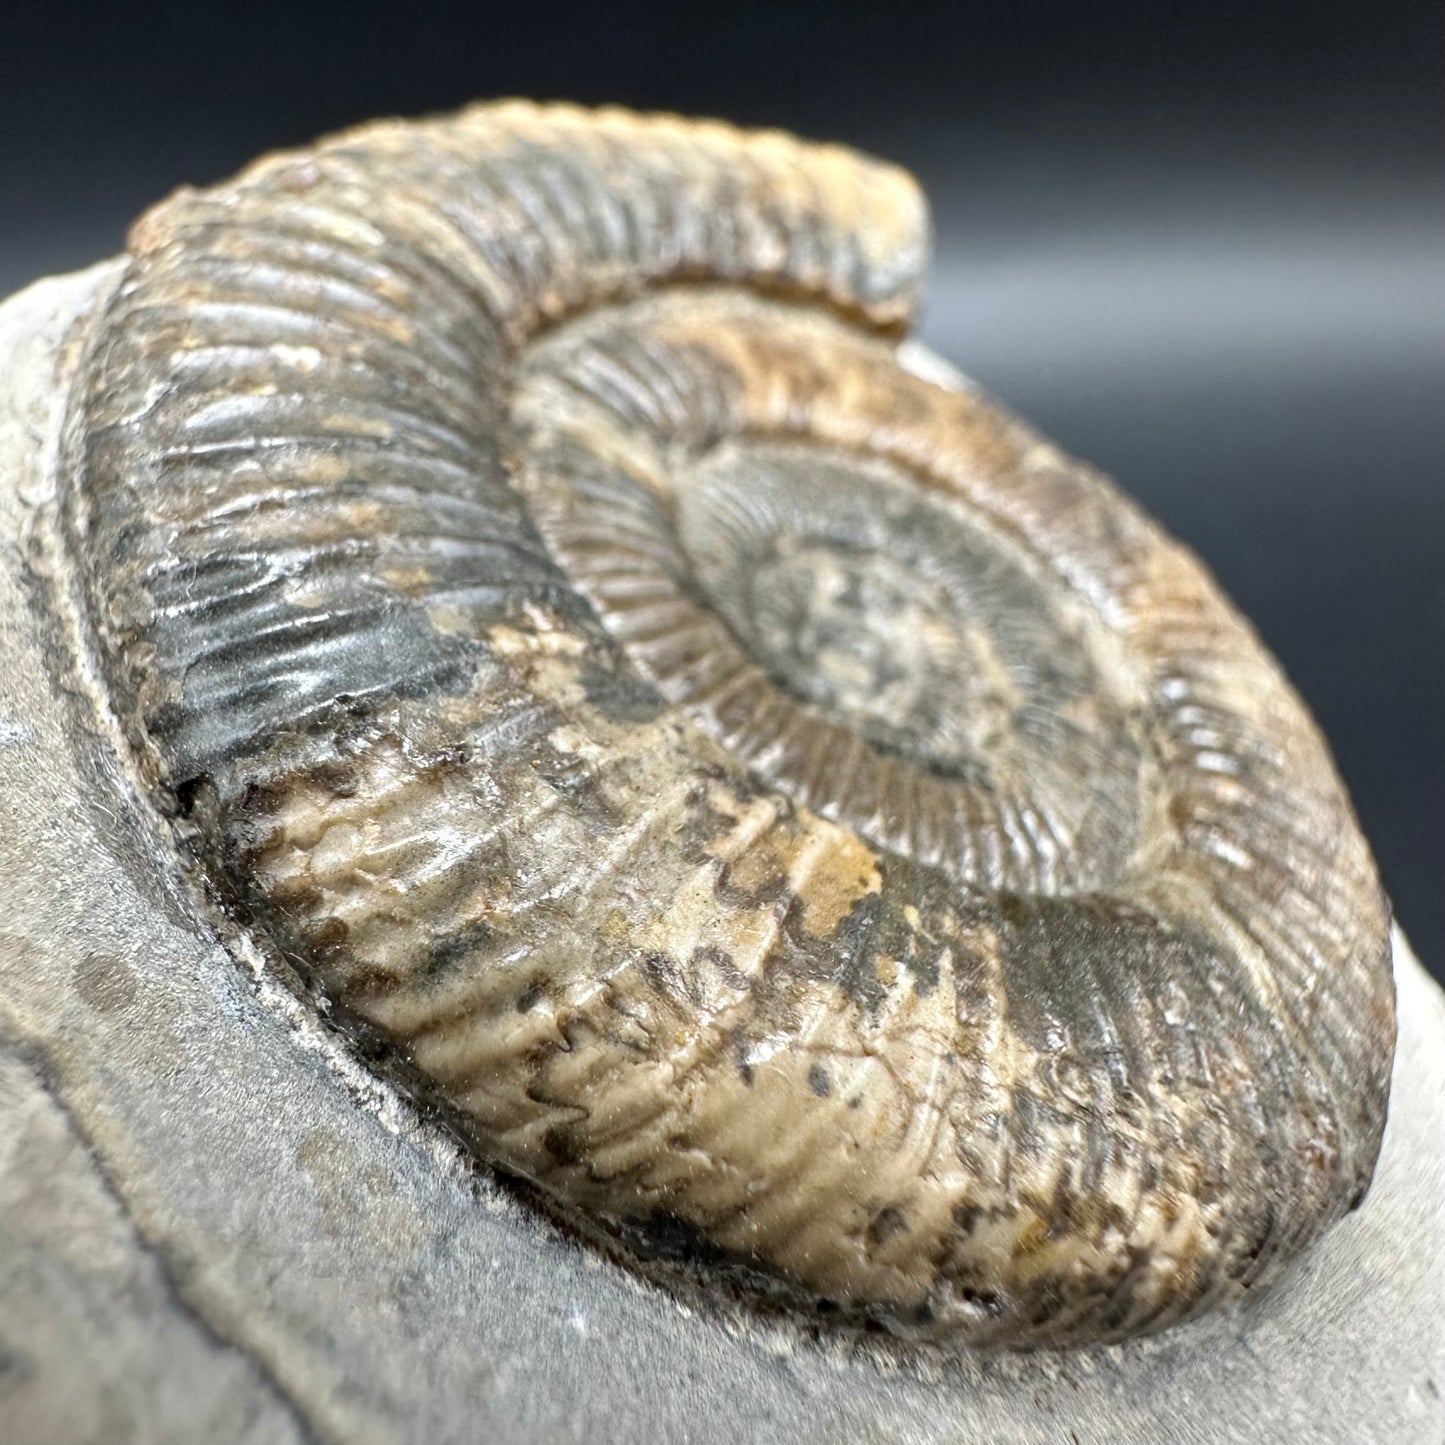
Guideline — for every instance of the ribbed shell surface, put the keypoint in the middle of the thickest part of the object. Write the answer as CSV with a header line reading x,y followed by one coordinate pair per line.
x,y
798,818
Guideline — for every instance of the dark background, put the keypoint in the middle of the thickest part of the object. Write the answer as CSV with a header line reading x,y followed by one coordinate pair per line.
x,y
1198,244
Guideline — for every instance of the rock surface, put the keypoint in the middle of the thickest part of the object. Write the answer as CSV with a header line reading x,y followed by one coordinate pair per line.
x,y
215,1224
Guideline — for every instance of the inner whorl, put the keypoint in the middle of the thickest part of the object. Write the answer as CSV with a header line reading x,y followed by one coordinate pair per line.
x,y
781,802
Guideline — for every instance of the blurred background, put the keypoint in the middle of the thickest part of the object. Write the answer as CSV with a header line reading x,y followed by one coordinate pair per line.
x,y
1198,244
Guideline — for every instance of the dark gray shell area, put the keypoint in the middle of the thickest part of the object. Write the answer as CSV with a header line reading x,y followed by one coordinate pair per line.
x,y
780,801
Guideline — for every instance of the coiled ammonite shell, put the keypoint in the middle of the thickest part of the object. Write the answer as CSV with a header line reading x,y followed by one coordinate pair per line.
x,y
809,828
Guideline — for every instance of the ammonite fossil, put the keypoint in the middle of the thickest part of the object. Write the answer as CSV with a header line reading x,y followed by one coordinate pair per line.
x,y
798,819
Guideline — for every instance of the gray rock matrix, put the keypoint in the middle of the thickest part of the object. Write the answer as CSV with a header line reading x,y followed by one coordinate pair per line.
x,y
216,1225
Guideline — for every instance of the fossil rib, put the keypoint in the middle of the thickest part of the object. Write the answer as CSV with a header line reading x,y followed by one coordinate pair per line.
x,y
767,791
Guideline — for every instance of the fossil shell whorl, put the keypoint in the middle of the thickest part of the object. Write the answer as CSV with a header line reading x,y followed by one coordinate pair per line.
x,y
767,791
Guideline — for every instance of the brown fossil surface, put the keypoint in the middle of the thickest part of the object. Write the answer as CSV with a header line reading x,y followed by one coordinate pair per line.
x,y
800,820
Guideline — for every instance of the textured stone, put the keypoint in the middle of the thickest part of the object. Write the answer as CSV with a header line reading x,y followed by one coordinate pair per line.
x,y
216,1223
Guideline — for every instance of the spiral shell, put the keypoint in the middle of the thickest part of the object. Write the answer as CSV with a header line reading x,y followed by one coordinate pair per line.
x,y
800,820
